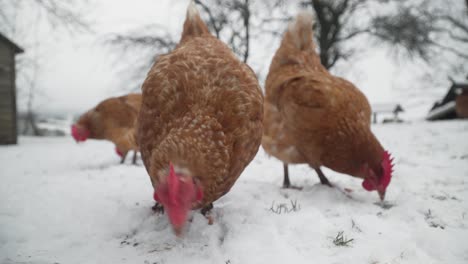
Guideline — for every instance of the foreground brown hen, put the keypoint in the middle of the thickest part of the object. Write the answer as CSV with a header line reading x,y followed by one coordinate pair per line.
x,y
113,119
314,117
200,122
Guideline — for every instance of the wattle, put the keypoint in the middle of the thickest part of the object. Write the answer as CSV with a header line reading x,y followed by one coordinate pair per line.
x,y
367,185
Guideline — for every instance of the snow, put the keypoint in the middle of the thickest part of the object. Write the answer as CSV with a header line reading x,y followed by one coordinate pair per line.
x,y
66,203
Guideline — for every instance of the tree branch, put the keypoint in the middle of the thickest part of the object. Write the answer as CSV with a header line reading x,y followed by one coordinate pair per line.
x,y
63,13
353,34
451,49
458,24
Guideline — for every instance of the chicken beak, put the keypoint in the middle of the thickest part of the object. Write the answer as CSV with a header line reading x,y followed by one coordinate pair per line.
x,y
382,195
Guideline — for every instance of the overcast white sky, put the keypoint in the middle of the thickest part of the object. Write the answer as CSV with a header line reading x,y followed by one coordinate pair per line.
x,y
76,73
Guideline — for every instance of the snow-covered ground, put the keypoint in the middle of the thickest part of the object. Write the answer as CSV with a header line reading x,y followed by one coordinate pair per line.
x,y
66,203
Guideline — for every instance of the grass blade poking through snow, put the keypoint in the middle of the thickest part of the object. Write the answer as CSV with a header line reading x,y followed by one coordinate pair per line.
x,y
285,208
341,241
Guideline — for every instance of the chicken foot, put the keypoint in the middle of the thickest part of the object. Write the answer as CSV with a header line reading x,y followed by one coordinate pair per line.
x,y
206,211
158,208
322,178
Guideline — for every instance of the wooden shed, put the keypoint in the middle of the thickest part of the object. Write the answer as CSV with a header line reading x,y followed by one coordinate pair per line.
x,y
453,105
8,122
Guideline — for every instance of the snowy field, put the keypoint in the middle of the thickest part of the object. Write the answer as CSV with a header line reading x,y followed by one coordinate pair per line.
x,y
66,203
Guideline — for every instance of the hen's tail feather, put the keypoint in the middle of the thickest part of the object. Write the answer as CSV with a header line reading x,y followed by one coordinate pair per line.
x,y
300,31
194,25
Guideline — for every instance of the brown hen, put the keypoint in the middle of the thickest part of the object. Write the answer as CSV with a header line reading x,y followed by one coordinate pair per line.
x,y
113,119
200,123
314,117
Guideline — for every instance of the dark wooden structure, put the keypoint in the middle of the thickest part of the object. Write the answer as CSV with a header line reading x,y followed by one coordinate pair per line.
x,y
453,105
8,122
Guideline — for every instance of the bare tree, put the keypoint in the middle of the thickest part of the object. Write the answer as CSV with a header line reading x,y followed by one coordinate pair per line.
x,y
245,13
431,30
233,21
141,47
30,74
424,29
230,21
420,28
405,29
55,14
335,25
217,20
338,24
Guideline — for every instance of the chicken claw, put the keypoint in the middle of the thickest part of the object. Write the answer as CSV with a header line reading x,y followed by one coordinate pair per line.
x,y
206,211
158,208
293,187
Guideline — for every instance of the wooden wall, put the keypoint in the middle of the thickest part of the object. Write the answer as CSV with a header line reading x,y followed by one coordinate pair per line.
x,y
8,133
462,105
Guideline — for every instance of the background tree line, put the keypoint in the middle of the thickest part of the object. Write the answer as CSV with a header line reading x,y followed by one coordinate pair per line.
x,y
433,31
428,30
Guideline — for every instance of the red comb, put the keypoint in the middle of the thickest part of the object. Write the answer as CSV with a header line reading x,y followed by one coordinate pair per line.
x,y
74,132
78,133
387,165
172,175
172,181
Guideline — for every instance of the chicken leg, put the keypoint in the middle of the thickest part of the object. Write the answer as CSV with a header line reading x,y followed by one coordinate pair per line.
x,y
286,182
123,158
322,177
134,160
